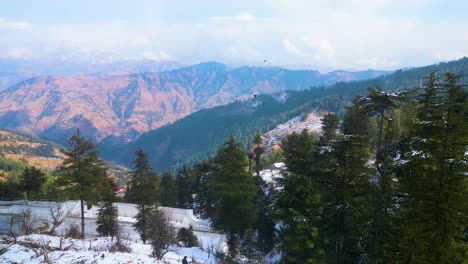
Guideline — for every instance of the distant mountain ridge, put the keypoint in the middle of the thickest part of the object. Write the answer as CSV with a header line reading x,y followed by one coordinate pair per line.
x,y
200,134
120,108
13,71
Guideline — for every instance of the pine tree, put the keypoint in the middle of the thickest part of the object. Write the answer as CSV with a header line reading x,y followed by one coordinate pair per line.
x,y
107,224
330,125
168,192
381,105
265,223
299,205
185,181
204,195
143,186
347,190
187,237
31,181
433,176
82,171
234,192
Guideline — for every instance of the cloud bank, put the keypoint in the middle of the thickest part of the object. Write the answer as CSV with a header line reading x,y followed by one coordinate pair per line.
x,y
323,34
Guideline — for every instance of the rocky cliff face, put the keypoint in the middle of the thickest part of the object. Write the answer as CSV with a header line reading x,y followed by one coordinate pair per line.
x,y
123,107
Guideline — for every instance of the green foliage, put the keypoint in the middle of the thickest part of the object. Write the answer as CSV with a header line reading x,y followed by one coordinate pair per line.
x,y
186,141
107,224
168,190
10,174
204,195
82,171
234,192
187,237
185,181
435,211
143,186
143,220
265,223
330,125
299,205
31,181
143,190
381,105
346,189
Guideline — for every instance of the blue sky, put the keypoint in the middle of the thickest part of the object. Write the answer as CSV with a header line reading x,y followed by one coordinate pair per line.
x,y
321,34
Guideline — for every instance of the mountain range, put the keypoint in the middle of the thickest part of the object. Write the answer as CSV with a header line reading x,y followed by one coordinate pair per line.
x,y
12,71
200,134
120,108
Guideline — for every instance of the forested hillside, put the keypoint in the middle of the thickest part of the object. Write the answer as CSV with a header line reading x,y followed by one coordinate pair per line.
x,y
198,135
387,184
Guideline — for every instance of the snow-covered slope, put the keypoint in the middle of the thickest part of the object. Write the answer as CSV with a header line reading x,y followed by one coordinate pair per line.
x,y
34,249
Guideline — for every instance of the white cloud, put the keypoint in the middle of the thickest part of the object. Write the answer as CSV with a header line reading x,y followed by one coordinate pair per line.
x,y
292,49
349,34
242,17
15,25
376,63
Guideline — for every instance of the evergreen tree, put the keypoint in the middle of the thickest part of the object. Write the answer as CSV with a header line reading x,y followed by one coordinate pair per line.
x,y
265,223
433,176
347,190
32,180
185,181
107,224
204,195
299,205
234,192
381,105
330,125
187,237
143,186
82,171
168,192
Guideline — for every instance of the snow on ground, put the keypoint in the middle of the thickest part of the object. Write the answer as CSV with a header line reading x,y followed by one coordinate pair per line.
x,y
30,249
312,123
71,211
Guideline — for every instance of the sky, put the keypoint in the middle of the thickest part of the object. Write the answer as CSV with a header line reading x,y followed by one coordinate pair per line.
x,y
312,34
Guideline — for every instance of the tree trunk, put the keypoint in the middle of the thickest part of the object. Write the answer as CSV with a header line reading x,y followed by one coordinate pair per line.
x,y
82,219
143,220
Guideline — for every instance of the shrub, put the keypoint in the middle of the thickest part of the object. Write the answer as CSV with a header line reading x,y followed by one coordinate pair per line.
x,y
187,237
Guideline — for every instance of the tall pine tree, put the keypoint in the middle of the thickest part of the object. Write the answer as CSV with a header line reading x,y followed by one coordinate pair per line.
x,y
347,189
381,105
433,176
82,171
143,188
299,204
106,221
234,192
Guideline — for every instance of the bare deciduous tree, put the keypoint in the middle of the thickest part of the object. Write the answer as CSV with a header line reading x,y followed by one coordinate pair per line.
x,y
160,233
27,221
56,217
